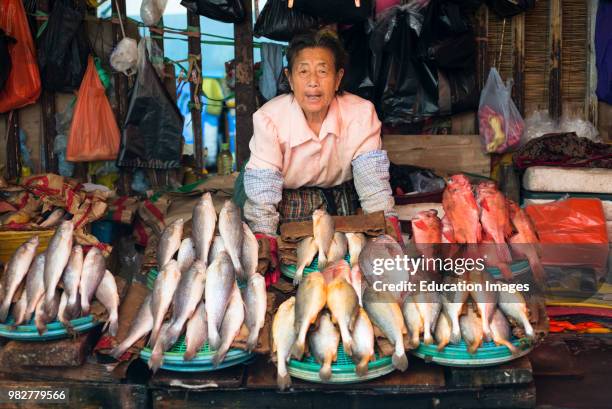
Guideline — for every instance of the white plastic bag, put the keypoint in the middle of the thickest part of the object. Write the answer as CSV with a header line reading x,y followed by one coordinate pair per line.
x,y
500,123
151,11
539,123
125,56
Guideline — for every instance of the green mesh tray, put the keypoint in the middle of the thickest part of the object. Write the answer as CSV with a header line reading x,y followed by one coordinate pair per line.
x,y
202,361
343,370
288,270
458,356
518,268
55,329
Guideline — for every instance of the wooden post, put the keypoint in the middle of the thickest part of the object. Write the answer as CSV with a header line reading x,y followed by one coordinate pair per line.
x,y
482,38
47,102
518,63
554,84
245,84
13,166
195,49
591,102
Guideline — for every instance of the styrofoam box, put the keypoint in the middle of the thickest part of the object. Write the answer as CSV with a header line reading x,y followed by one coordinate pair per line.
x,y
556,179
607,205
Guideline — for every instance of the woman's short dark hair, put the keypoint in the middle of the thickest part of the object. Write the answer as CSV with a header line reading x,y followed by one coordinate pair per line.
x,y
324,38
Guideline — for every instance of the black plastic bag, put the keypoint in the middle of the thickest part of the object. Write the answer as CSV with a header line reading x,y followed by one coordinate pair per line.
x,y
407,179
63,48
457,91
509,8
454,52
278,22
152,133
358,76
228,11
5,57
336,11
406,85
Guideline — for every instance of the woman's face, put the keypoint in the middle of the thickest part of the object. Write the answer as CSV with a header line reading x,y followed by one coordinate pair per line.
x,y
314,80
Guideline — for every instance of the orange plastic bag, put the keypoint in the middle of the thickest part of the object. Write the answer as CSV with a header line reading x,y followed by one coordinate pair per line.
x,y
94,134
572,232
23,85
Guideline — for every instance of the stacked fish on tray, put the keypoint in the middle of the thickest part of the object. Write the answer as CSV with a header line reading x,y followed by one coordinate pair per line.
x,y
200,287
59,283
329,307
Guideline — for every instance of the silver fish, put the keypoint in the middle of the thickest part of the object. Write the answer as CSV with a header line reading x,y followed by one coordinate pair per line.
x,y
383,247
355,279
387,316
363,343
256,300
141,326
250,251
310,299
196,333
486,301
35,284
323,343
343,304
234,317
217,247
108,295
413,320
54,218
58,253
283,337
203,223
72,278
323,232
161,345
163,293
46,313
515,308
356,242
230,227
338,248
471,330
186,255
452,303
62,313
443,331
429,305
501,332
220,280
306,251
92,275
169,242
19,309
16,271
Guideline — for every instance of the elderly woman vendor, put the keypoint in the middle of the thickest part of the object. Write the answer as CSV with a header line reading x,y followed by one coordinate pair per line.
x,y
315,147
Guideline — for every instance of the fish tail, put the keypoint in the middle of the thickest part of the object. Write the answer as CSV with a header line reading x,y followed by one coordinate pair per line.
x,y
427,338
362,367
505,270
298,275
528,328
252,341
322,260
85,307
400,361
113,322
503,252
4,309
218,358
442,345
189,354
214,340
157,358
325,373
473,347
119,350
415,341
298,349
348,346
486,329
283,380
507,344
455,337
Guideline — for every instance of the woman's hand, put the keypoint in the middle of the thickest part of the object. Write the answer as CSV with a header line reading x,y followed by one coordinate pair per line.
x,y
268,265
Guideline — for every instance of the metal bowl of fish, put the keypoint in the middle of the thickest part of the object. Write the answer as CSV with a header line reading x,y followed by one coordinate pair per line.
x,y
55,329
343,370
201,362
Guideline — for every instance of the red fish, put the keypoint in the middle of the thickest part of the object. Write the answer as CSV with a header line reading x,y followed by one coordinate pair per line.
x,y
495,218
526,242
339,268
488,251
461,209
427,231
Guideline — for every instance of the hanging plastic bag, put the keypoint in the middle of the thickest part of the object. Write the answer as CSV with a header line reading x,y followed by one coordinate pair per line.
x,y
23,84
125,56
228,11
152,132
278,22
5,57
94,134
151,11
63,48
336,11
358,76
500,123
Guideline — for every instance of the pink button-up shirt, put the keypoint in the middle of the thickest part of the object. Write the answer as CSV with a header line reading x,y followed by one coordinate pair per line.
x,y
283,141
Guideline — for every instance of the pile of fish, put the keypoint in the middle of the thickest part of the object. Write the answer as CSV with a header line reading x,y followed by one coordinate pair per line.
x,y
197,293
327,244
485,220
330,306
59,283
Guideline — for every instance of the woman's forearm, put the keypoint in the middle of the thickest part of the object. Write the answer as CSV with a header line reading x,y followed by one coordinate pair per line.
x,y
371,178
264,191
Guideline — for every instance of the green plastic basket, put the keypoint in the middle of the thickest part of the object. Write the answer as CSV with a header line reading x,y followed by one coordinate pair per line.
x,y
343,370
458,356
202,362
288,270
55,329
518,268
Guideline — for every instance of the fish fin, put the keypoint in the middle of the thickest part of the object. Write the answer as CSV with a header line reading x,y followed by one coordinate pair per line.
x,y
503,252
400,362
484,205
283,381
298,349
325,372
361,369
420,224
